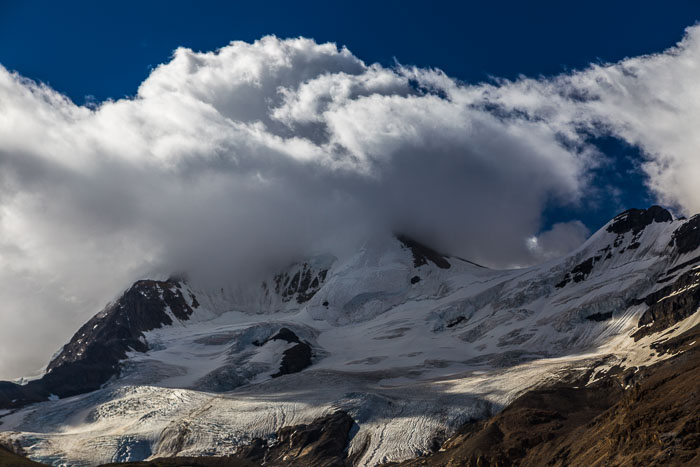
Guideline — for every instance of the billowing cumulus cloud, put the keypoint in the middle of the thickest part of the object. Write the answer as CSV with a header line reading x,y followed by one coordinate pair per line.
x,y
244,159
562,238
652,102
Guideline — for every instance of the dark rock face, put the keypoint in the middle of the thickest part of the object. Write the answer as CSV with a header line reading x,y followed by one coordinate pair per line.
x,y
656,422
579,272
687,237
632,220
321,443
670,305
285,334
92,356
598,317
456,321
302,285
294,359
13,395
679,267
526,425
635,220
422,254
679,343
9,459
120,327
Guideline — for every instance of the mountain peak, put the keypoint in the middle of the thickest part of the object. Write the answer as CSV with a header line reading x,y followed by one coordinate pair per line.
x,y
422,253
361,333
636,220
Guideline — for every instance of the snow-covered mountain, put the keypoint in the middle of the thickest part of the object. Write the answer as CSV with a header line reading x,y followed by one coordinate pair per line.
x,y
409,342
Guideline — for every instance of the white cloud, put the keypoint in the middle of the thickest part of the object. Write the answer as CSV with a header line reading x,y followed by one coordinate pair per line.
x,y
562,238
254,154
651,102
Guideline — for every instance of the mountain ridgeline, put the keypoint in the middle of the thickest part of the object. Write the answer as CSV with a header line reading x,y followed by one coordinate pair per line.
x,y
393,352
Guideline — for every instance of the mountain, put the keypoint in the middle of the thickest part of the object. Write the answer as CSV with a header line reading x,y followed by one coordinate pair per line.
x,y
655,421
421,352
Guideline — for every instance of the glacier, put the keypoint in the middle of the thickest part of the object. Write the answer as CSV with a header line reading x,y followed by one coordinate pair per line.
x,y
411,343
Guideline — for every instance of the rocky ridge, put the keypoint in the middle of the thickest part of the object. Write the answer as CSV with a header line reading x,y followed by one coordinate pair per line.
x,y
399,337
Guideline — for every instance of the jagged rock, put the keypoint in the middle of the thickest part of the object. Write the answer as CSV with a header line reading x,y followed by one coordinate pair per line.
x,y
670,305
598,317
632,220
635,220
13,395
285,334
120,327
579,272
456,321
687,237
321,443
92,356
422,254
654,422
302,285
491,319
297,357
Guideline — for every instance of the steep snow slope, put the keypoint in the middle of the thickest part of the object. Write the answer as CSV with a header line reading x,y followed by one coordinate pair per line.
x,y
409,342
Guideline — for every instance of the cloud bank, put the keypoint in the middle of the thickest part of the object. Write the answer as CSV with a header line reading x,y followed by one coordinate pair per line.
x,y
233,161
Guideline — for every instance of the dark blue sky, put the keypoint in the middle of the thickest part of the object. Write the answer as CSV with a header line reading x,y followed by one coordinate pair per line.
x,y
89,48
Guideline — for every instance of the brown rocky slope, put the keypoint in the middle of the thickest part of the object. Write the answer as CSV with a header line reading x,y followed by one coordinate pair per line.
x,y
649,417
655,421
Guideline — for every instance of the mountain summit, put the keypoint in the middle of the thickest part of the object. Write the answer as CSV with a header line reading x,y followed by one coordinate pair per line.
x,y
407,343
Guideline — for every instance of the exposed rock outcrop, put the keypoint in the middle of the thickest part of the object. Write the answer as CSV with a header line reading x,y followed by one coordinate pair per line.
x,y
670,304
92,356
301,285
687,237
635,220
321,443
297,357
579,272
422,254
654,422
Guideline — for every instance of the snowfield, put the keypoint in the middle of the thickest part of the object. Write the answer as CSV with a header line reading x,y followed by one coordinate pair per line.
x,y
410,360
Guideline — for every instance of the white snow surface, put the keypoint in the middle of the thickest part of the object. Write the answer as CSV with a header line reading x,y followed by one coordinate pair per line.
x,y
408,361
